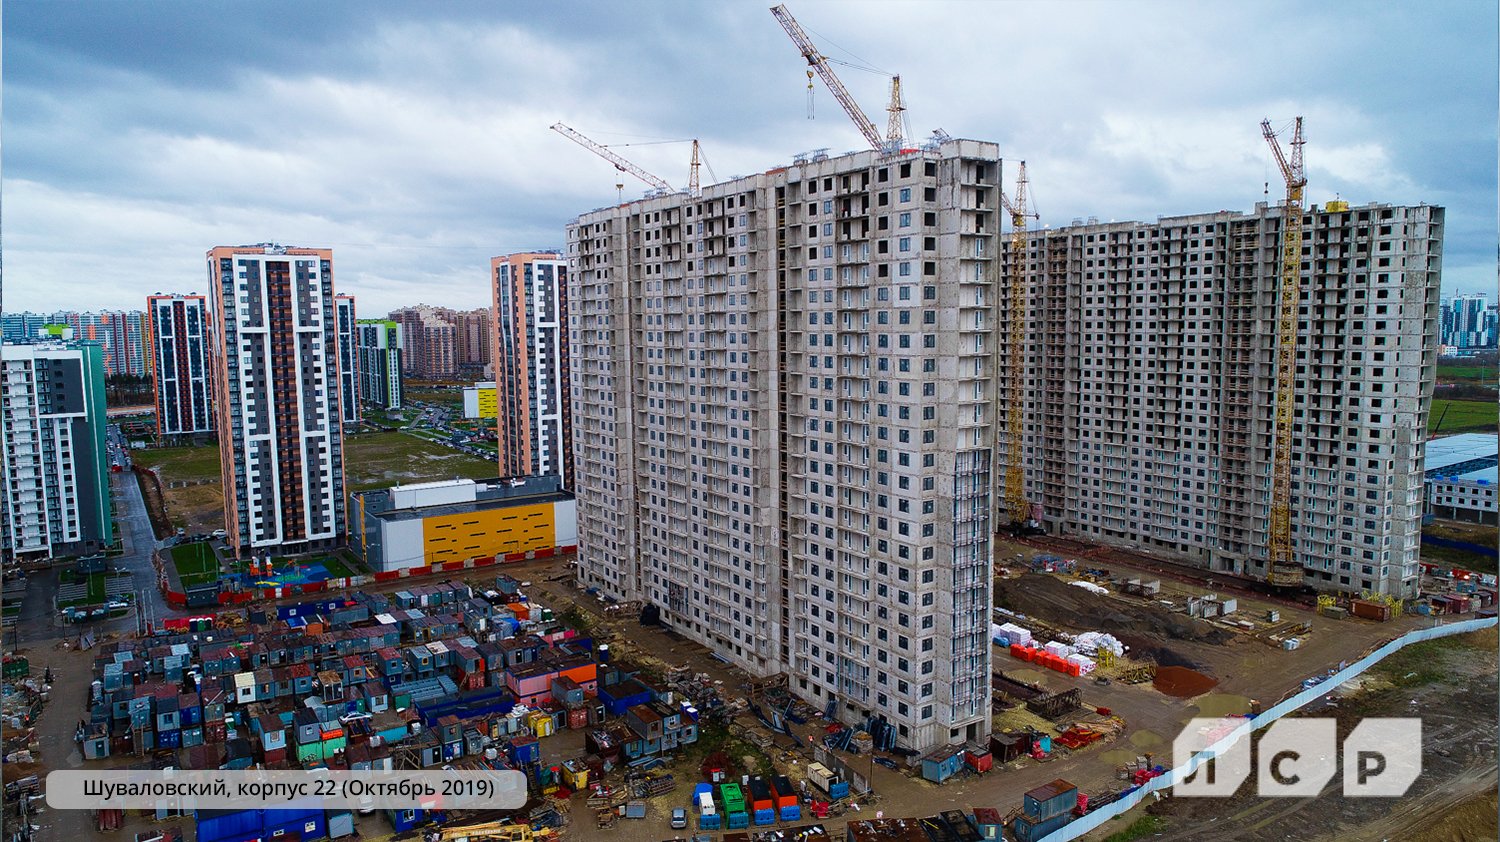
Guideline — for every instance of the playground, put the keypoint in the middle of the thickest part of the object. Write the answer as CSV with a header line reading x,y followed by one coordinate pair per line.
x,y
197,564
280,572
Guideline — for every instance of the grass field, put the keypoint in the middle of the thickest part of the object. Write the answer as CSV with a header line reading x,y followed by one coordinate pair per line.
x,y
96,592
178,464
196,564
380,460
453,398
1462,416
1459,373
195,508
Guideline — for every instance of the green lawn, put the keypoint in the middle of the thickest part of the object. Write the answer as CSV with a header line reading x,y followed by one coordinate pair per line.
x,y
182,463
1467,373
196,564
381,460
1462,416
95,595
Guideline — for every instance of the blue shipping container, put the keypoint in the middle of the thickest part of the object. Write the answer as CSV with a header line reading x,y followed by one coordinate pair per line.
x,y
791,814
311,825
765,817
221,825
739,820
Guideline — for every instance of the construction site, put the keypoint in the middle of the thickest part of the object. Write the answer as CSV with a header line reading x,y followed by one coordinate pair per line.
x,y
927,524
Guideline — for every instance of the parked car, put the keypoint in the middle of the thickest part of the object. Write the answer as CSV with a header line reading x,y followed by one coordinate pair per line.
x,y
679,818
117,605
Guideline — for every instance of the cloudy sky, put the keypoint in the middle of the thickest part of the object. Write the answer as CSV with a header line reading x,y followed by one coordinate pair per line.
x,y
413,138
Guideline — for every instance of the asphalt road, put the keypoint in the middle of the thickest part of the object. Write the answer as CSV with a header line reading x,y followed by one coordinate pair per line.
x,y
38,620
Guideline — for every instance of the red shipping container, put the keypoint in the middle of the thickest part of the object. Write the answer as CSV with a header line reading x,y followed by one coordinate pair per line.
x,y
578,718
1018,651
1075,669
980,762
275,755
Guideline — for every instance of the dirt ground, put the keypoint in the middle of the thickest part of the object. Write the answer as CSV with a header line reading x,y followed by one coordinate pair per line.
x,y
1453,800
1244,668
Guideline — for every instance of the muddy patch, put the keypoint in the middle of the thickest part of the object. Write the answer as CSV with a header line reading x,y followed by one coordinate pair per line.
x,y
1183,683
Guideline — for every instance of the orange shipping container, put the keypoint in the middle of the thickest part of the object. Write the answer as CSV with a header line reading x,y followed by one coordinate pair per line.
x,y
585,674
520,609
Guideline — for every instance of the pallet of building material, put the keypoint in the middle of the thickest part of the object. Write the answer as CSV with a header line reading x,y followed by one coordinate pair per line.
x,y
1014,688
1056,704
1137,673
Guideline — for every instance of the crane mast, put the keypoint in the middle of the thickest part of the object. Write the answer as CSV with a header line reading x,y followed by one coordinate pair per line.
x,y
819,64
1284,571
620,163
693,185
1015,475
893,127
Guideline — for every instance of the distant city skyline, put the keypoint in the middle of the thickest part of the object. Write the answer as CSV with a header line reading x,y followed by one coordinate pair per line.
x,y
419,164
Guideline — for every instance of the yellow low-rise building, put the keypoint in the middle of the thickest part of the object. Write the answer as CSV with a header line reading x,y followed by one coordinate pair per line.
x,y
430,523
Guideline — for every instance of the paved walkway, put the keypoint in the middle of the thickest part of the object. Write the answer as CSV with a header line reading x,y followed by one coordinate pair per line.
x,y
39,622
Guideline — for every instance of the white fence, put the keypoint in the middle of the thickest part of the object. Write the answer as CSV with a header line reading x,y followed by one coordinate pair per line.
x,y
1093,820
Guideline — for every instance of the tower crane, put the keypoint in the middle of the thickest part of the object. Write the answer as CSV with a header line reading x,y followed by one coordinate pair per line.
x,y
894,125
818,63
620,163
1284,571
1015,343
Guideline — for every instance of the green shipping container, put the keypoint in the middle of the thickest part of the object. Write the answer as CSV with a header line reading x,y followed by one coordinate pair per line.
x,y
333,746
733,798
310,752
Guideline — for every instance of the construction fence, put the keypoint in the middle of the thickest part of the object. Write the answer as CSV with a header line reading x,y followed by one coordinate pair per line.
x,y
858,784
229,598
1094,819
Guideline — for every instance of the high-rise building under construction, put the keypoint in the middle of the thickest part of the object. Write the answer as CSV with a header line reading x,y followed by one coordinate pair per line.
x,y
784,423
788,395
1150,387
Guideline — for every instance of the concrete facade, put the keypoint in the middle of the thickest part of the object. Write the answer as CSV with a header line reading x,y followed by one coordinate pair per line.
x,y
784,417
530,340
1150,387
276,392
55,499
178,336
1469,496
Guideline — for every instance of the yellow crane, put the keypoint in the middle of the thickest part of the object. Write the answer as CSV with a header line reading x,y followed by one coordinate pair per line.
x,y
1283,570
1015,344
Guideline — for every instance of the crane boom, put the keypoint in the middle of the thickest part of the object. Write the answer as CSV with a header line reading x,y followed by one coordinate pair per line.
x,y
818,63
1015,474
620,163
1284,570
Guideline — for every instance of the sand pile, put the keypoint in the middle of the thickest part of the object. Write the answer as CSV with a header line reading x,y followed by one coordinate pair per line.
x,y
1182,682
